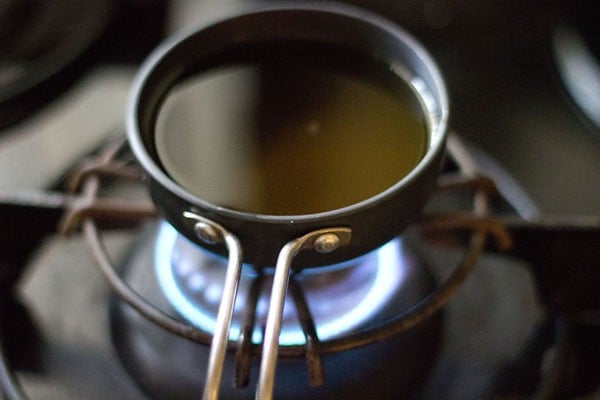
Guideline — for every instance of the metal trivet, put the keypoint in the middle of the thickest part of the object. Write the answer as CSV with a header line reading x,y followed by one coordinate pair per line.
x,y
90,211
477,222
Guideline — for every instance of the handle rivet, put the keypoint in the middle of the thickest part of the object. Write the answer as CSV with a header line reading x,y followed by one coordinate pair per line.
x,y
327,243
206,233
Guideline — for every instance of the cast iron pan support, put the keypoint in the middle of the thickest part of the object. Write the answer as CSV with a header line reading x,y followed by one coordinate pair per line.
x,y
478,223
88,210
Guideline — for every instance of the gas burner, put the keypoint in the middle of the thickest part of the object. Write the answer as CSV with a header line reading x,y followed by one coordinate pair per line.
x,y
188,282
170,362
399,316
342,297
46,45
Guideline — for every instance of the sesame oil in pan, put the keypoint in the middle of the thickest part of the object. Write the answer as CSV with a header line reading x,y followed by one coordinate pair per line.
x,y
290,130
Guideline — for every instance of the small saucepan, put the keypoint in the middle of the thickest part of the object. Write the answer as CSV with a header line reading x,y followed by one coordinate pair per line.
x,y
283,40
373,221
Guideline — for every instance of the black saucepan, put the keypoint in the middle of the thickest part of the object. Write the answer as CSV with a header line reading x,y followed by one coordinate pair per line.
x,y
373,221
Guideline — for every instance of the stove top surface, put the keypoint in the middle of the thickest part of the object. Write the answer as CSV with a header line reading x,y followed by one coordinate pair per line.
x,y
507,100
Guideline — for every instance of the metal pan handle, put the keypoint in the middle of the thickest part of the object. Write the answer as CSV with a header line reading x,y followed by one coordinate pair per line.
x,y
212,233
323,241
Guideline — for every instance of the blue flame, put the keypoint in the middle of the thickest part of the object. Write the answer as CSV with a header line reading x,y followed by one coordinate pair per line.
x,y
388,276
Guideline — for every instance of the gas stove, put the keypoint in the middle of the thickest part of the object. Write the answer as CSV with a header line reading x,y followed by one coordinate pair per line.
x,y
436,313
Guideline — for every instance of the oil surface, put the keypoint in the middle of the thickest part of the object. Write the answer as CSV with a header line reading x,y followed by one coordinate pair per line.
x,y
290,133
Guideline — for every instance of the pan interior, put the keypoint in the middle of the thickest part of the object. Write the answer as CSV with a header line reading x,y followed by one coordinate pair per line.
x,y
290,129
